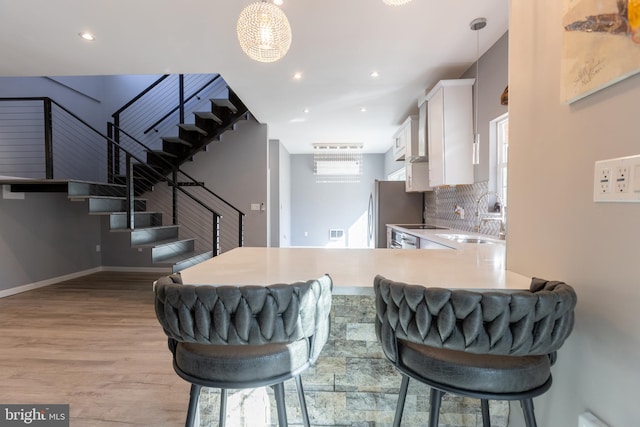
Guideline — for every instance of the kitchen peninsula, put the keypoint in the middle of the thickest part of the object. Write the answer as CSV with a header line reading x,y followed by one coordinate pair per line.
x,y
352,383
470,266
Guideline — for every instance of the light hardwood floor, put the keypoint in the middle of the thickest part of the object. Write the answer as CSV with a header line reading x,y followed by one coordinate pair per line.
x,y
94,343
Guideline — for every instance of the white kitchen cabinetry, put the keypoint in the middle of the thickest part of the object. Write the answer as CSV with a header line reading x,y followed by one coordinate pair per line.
x,y
423,150
417,176
398,146
450,132
405,140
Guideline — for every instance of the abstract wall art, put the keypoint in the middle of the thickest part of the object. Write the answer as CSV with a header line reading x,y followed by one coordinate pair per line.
x,y
601,45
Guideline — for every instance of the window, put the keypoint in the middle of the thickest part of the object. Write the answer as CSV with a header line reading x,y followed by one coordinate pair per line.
x,y
502,150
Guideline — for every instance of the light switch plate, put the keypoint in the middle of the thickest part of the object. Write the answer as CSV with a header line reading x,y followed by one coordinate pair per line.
x,y
8,194
587,419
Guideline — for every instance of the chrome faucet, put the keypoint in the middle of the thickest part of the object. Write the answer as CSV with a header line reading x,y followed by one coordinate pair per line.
x,y
484,217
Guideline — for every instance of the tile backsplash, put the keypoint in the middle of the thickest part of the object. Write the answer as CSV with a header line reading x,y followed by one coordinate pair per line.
x,y
440,207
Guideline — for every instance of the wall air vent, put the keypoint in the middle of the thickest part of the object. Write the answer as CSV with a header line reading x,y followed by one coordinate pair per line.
x,y
336,234
337,163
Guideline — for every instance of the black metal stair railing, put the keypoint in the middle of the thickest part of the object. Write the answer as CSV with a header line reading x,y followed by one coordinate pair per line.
x,y
151,128
40,140
157,165
75,150
167,124
163,105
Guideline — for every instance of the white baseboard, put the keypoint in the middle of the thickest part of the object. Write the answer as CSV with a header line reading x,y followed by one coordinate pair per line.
x,y
47,282
165,270
54,280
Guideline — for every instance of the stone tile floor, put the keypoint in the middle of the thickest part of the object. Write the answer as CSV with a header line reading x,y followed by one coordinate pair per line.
x,y
351,385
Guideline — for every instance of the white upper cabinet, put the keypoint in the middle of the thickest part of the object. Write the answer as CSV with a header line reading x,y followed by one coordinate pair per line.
x,y
417,176
410,132
423,150
399,145
450,132
405,140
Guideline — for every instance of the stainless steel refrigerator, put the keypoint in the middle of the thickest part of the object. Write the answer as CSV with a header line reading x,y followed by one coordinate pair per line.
x,y
389,203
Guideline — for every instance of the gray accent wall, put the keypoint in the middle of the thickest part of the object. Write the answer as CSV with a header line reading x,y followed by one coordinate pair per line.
x,y
45,236
494,76
236,169
556,231
83,95
318,207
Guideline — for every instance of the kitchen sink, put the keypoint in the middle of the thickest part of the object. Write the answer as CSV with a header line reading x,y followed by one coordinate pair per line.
x,y
421,227
463,238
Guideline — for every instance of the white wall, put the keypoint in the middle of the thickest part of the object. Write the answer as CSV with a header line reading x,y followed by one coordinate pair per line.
x,y
390,165
318,207
556,231
284,207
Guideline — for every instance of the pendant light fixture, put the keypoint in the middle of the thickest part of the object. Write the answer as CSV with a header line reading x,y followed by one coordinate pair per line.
x,y
264,32
395,2
476,25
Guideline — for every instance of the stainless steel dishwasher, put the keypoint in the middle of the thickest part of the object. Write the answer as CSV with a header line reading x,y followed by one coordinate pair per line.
x,y
402,240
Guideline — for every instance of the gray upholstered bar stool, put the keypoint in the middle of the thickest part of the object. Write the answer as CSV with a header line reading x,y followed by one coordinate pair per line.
x,y
493,345
239,337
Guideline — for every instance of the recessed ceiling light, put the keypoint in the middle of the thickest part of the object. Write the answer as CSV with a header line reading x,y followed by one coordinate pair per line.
x,y
297,76
374,74
87,36
306,111
363,110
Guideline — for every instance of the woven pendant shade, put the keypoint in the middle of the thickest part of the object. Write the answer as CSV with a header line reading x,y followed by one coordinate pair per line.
x,y
396,2
264,32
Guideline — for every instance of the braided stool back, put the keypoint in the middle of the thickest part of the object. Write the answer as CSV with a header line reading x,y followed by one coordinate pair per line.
x,y
489,345
236,337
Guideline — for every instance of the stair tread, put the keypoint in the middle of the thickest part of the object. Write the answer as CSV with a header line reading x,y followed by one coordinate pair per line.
x,y
164,153
184,257
103,197
154,227
176,140
165,242
138,213
224,102
192,128
208,115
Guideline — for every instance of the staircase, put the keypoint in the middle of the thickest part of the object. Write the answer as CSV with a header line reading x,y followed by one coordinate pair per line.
x,y
152,205
207,127
164,242
161,243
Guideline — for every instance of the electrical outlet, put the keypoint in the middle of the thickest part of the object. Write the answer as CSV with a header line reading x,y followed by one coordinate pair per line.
x,y
617,180
603,180
622,179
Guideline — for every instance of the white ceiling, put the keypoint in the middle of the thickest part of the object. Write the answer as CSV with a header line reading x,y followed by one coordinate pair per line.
x,y
336,44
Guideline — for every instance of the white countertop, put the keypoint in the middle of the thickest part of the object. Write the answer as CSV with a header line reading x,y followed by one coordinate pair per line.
x,y
437,235
472,266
